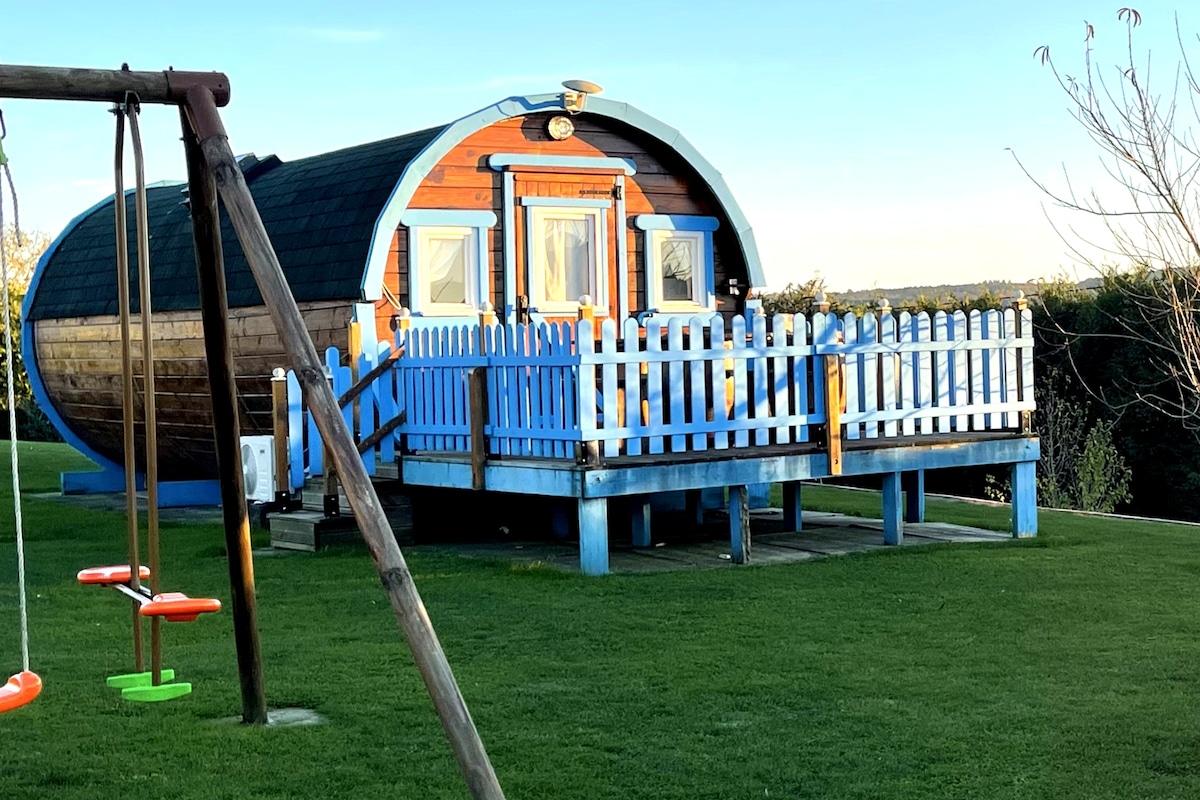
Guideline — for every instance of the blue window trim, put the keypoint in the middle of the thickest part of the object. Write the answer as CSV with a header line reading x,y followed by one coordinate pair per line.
x,y
454,134
499,161
510,250
654,272
675,222
567,202
622,251
415,217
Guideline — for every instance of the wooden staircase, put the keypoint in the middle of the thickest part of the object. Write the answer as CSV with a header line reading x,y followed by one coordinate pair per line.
x,y
310,528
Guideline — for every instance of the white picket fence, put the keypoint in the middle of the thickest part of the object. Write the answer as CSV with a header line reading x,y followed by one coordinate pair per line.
x,y
697,385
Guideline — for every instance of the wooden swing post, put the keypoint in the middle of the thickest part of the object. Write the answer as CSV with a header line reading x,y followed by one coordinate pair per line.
x,y
214,311
199,95
397,581
170,87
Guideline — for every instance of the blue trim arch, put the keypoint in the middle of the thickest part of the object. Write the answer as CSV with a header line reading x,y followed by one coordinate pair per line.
x,y
112,475
28,353
454,133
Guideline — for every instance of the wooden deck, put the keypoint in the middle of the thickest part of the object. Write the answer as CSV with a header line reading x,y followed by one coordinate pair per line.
x,y
824,535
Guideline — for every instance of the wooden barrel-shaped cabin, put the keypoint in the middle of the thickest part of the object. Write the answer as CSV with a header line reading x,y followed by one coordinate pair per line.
x,y
528,204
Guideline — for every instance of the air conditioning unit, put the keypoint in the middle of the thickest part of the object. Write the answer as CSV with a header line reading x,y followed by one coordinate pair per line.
x,y
258,468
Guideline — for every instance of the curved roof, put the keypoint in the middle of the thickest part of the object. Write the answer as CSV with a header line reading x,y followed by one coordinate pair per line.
x,y
457,131
327,215
319,211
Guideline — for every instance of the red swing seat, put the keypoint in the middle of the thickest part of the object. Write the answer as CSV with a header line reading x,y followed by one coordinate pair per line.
x,y
178,607
107,576
20,690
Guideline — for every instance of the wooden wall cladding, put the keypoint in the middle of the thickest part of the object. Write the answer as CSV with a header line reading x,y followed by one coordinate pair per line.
x,y
79,361
664,184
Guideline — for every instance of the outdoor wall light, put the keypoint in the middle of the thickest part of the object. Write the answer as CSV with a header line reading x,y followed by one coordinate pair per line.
x,y
576,94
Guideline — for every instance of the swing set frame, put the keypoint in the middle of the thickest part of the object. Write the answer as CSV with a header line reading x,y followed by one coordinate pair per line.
x,y
213,171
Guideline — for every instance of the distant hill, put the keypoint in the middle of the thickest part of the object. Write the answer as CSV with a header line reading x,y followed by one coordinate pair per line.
x,y
906,294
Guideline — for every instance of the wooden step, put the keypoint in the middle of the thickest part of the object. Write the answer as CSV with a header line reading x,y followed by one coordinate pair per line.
x,y
311,530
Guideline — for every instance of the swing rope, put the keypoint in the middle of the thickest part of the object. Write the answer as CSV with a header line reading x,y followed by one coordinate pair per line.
x,y
12,405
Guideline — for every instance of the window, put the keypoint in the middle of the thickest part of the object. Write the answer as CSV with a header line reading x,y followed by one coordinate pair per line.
x,y
679,262
447,260
566,257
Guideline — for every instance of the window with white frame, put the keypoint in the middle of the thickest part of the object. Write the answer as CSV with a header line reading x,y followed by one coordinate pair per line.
x,y
679,262
566,257
447,260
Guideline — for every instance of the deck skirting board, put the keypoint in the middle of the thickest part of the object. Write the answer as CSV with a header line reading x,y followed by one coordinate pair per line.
x,y
552,478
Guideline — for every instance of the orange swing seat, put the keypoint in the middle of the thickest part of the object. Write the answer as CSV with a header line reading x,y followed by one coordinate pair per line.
x,y
20,690
107,576
178,607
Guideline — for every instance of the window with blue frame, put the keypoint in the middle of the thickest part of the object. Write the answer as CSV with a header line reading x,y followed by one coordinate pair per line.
x,y
447,260
679,262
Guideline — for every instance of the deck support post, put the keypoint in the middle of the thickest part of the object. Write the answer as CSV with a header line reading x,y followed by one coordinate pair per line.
x,y
913,484
1024,499
739,524
639,521
560,519
593,535
893,521
214,311
695,507
792,517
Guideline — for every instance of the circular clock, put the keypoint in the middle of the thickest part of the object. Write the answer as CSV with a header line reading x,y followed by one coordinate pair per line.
x,y
560,128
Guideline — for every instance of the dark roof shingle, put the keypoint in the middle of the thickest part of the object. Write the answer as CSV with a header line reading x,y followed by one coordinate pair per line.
x,y
340,194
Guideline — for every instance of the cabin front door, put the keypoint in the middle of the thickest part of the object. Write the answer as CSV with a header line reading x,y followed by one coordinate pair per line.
x,y
567,234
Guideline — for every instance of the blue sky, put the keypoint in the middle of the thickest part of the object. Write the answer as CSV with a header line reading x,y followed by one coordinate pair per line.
x,y
865,141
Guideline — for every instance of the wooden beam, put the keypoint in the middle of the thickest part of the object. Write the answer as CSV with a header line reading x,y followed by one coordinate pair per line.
x,y
477,393
279,431
833,414
394,574
382,431
366,380
210,271
108,85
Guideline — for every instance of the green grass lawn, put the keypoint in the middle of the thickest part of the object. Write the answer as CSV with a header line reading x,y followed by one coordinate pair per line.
x,y
1062,667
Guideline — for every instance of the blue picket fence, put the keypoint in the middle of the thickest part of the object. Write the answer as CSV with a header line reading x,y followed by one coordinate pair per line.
x,y
686,385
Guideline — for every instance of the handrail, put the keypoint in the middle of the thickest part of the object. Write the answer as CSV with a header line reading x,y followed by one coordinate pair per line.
x,y
366,380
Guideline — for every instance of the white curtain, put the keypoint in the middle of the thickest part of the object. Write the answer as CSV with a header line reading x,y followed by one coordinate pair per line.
x,y
677,265
446,260
567,243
